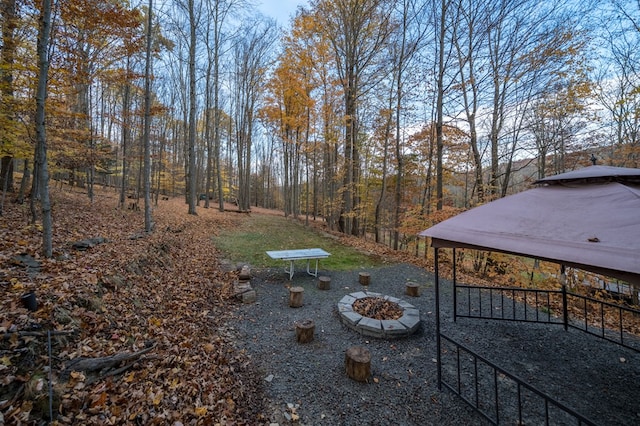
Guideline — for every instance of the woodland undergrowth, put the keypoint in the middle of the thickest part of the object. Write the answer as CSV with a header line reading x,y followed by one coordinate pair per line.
x,y
161,298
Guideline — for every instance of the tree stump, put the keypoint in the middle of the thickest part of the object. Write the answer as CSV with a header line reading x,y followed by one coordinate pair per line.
x,y
364,278
305,330
412,289
324,283
357,362
295,296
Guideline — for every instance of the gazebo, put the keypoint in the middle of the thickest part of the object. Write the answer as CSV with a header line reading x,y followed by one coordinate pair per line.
x,y
588,219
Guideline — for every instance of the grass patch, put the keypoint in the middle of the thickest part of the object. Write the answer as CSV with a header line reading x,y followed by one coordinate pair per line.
x,y
256,234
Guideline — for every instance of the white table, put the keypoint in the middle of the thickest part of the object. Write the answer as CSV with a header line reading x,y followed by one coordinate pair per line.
x,y
301,254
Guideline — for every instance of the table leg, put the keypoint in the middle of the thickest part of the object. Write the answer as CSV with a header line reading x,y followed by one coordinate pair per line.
x,y
290,270
309,272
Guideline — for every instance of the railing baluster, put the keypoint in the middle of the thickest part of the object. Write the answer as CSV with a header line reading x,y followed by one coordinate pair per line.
x,y
474,303
586,320
458,368
520,386
477,380
491,302
621,325
520,423
546,412
495,394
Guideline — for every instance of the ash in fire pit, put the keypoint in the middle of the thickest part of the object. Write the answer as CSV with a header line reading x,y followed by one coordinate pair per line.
x,y
376,315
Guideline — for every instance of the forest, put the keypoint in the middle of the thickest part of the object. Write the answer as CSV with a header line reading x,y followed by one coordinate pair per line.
x,y
378,117
129,129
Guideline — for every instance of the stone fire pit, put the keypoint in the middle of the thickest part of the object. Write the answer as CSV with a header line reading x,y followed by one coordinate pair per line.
x,y
387,328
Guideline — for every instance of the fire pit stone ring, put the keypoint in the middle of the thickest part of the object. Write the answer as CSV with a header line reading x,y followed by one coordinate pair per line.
x,y
404,326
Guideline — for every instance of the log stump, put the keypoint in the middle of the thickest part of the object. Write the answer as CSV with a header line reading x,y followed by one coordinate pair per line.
x,y
305,330
364,278
357,362
412,289
295,296
324,283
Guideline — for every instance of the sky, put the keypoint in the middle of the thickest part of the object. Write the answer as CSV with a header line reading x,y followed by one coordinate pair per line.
x,y
281,10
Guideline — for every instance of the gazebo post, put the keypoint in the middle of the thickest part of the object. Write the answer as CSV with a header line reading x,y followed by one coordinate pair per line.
x,y
437,296
565,309
455,291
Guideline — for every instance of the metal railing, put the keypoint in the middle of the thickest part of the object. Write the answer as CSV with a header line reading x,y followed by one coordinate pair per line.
x,y
489,390
590,315
507,303
550,307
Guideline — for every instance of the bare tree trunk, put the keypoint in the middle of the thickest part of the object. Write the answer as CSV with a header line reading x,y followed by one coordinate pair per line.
x,y
406,49
126,135
6,173
216,109
207,135
41,137
148,225
385,159
192,111
348,28
251,55
440,104
469,85
25,182
219,12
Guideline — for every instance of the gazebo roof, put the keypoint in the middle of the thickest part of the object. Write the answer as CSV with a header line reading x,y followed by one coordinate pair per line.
x,y
588,219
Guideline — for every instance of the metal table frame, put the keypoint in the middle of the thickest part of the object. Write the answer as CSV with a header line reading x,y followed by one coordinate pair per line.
x,y
301,254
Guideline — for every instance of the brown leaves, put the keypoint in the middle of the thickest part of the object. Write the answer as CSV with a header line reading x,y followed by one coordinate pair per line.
x,y
377,308
118,296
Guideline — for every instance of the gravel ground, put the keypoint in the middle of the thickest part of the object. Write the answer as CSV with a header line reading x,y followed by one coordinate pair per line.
x,y
599,380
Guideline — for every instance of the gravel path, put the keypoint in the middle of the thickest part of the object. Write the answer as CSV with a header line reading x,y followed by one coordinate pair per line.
x,y
598,379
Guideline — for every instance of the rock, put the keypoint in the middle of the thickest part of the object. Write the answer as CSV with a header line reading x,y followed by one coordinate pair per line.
x,y
113,282
245,274
249,296
26,261
88,243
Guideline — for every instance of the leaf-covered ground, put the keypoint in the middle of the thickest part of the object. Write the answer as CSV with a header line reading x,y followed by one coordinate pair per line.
x,y
164,294
162,300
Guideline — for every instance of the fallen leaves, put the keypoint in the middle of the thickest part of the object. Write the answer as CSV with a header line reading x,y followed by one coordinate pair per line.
x,y
377,308
116,297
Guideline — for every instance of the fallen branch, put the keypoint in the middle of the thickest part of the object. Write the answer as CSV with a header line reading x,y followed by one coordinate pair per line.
x,y
8,335
103,364
124,368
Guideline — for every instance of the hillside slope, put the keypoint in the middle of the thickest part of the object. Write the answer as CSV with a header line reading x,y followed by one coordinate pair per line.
x,y
161,300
